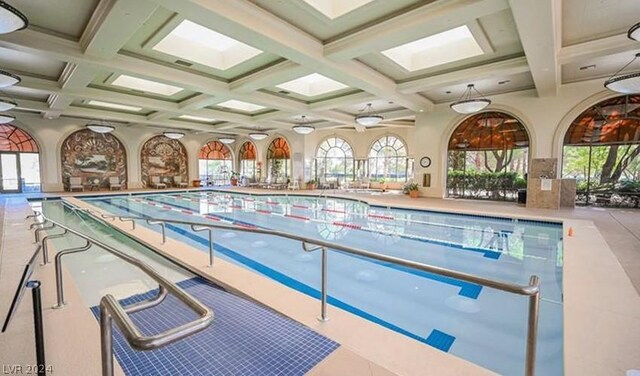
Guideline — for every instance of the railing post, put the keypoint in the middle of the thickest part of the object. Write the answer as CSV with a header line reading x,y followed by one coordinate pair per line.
x,y
532,328
210,248
58,264
323,301
164,235
45,249
106,340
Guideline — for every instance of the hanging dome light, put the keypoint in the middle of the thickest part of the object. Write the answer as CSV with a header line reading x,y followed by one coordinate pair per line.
x,y
257,135
6,118
100,126
227,140
624,83
468,105
368,117
634,32
173,135
521,143
8,79
462,145
11,19
7,104
303,127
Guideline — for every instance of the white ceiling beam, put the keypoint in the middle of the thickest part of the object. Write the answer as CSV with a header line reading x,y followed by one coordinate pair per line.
x,y
430,19
200,101
112,25
238,19
538,24
499,68
597,48
397,114
345,100
271,76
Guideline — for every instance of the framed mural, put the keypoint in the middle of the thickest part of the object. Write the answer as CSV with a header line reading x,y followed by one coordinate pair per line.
x,y
94,157
163,157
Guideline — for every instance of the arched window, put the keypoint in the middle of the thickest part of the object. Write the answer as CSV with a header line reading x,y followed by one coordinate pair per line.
x,y
601,149
163,157
278,159
334,160
247,156
488,157
215,163
19,161
388,159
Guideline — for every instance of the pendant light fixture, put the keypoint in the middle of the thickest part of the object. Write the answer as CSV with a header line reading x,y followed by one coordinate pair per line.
x,y
8,79
628,83
226,140
303,127
258,135
634,32
6,118
174,135
368,117
7,104
100,126
11,19
468,105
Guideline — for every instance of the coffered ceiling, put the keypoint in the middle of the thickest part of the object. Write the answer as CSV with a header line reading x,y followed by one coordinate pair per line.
x,y
232,66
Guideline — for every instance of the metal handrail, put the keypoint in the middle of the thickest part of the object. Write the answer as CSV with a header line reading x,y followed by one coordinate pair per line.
x,y
112,310
532,290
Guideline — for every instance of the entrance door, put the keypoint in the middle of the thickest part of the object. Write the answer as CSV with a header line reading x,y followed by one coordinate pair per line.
x,y
9,173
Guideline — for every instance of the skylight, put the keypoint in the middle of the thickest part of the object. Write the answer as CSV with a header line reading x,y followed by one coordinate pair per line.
x,y
196,43
114,106
448,46
145,85
312,85
336,8
242,106
197,118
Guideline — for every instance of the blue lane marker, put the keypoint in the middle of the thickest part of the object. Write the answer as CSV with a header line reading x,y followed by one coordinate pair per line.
x,y
494,255
284,279
467,289
440,340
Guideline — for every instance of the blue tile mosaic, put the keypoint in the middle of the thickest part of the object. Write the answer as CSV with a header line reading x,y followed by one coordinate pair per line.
x,y
244,338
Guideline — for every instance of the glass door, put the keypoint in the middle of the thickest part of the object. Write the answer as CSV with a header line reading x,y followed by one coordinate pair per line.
x,y
9,173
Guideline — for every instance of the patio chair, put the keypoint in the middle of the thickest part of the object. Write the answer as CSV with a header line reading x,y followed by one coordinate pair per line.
x,y
75,182
293,185
177,181
156,183
364,184
114,182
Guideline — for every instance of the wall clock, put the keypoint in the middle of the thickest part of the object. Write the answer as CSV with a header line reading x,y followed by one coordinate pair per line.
x,y
425,162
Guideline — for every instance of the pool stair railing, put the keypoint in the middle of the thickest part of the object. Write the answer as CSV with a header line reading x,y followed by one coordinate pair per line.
x,y
532,290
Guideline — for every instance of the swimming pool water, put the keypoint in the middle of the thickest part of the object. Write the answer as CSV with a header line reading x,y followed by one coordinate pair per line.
x,y
483,325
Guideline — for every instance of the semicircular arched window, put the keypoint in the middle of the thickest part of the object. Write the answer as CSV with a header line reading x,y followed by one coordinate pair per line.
x,y
20,161
247,156
601,149
278,159
334,160
488,157
215,163
388,159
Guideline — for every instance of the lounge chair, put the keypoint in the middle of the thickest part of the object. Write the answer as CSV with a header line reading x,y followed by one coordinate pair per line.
x,y
114,182
75,182
177,181
294,185
156,183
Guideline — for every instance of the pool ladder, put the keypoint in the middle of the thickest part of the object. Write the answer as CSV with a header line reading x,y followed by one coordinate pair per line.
x,y
532,290
110,309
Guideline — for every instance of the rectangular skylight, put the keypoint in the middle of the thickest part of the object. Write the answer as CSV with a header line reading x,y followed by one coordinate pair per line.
x,y
141,84
336,8
190,41
115,106
242,106
312,85
442,48
197,118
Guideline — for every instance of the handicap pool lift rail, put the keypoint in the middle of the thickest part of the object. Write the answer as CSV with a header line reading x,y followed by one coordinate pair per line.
x,y
111,310
532,290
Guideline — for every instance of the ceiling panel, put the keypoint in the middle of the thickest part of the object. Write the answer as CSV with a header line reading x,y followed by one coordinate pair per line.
x,y
66,17
488,87
585,20
601,67
33,64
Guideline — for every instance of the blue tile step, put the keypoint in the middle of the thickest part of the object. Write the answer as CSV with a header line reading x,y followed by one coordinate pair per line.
x,y
244,338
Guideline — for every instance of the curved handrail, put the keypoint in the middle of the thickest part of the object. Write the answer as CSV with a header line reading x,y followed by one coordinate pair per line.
x,y
111,309
532,290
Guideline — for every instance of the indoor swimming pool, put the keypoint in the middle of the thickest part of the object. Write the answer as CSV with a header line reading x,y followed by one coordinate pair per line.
x,y
464,319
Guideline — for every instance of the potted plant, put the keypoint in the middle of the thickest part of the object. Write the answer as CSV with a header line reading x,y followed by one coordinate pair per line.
x,y
234,177
311,184
411,189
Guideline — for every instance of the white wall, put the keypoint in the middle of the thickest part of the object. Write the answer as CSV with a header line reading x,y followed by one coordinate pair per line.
x,y
546,119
